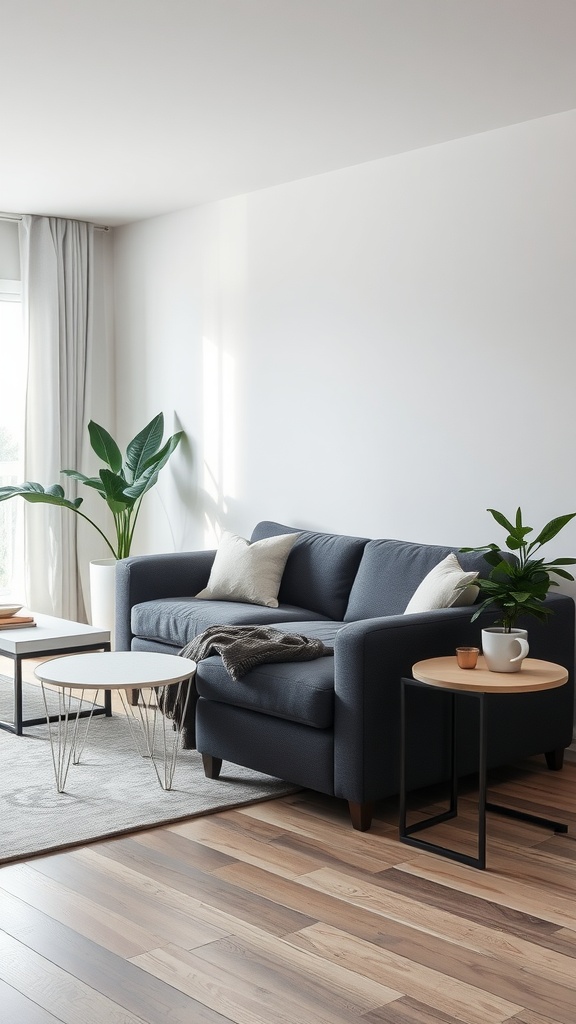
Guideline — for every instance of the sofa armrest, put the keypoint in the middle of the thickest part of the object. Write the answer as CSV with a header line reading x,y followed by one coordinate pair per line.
x,y
372,655
146,577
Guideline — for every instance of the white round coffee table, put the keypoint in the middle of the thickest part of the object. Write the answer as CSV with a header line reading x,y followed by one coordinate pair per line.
x,y
119,671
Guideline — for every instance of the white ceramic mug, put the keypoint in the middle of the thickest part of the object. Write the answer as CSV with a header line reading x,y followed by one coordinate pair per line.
x,y
504,652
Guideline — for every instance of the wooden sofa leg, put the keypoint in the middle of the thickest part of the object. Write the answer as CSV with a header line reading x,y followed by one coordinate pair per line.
x,y
361,815
212,766
555,759
134,695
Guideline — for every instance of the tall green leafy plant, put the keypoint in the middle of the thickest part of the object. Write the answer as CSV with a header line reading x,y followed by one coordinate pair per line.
x,y
122,482
518,584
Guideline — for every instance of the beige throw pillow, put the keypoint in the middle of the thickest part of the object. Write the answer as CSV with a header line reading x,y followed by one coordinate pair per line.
x,y
445,586
248,572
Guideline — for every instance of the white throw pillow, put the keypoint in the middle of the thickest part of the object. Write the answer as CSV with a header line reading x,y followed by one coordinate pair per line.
x,y
248,572
445,586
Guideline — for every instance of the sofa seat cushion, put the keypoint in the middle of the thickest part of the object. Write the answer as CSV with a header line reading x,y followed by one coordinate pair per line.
x,y
298,691
176,621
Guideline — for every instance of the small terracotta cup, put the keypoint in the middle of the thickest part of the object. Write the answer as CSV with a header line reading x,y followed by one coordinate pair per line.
x,y
467,657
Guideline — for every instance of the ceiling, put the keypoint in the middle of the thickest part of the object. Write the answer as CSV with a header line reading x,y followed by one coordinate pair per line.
x,y
117,110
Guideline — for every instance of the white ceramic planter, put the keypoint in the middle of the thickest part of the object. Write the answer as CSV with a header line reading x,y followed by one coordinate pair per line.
x,y
102,594
504,652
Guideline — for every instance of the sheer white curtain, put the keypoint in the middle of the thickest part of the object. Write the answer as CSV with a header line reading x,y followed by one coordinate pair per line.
x,y
57,290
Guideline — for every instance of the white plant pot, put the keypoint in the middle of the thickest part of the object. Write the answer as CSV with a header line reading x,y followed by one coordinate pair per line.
x,y
504,652
102,594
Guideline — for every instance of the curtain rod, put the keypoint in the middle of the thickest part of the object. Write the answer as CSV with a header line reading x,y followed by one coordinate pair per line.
x,y
18,216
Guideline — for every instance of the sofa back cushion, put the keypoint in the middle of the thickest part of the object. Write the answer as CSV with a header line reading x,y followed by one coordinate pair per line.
x,y
320,570
391,571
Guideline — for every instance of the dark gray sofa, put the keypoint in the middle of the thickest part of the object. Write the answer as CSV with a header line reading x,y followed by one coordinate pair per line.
x,y
332,724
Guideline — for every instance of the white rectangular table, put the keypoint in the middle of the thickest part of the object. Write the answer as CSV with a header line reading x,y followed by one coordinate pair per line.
x,y
49,636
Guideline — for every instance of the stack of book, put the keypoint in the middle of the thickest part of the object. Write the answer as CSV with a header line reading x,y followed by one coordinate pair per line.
x,y
16,621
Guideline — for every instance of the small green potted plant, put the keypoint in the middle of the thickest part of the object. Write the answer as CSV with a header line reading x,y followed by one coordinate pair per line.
x,y
122,482
516,586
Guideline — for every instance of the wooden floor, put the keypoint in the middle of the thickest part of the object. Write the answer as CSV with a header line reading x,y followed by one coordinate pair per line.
x,y
280,912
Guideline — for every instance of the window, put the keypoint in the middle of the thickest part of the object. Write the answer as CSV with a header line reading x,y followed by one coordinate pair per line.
x,y
12,398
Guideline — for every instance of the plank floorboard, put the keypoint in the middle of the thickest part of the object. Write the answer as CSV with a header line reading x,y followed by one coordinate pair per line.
x,y
251,983
280,913
432,987
482,911
528,1017
444,923
16,1007
104,925
506,888
132,992
225,838
54,989
408,1011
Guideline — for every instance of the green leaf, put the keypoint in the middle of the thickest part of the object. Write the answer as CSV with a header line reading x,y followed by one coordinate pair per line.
x,y
562,573
553,528
114,491
482,607
36,494
15,489
143,484
105,446
514,543
158,461
96,485
144,446
483,547
520,529
501,520
494,558
90,481
488,585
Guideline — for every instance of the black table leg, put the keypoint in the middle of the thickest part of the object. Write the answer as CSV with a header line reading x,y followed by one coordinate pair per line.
x,y
482,785
19,723
406,831
18,696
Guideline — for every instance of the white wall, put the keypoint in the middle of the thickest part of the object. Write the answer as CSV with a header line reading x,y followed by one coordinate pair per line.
x,y
386,350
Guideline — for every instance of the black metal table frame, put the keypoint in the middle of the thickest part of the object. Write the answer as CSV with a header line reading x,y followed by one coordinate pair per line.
x,y
407,831
21,723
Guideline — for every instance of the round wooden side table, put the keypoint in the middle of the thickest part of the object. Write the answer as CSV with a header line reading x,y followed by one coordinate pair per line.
x,y
444,674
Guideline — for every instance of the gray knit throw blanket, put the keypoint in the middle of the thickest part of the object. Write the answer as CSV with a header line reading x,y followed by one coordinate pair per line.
x,y
243,647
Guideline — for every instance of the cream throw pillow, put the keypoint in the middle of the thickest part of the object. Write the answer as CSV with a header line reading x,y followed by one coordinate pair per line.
x,y
445,586
248,572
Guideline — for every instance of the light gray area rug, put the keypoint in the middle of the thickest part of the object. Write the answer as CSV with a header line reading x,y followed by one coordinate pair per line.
x,y
113,790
